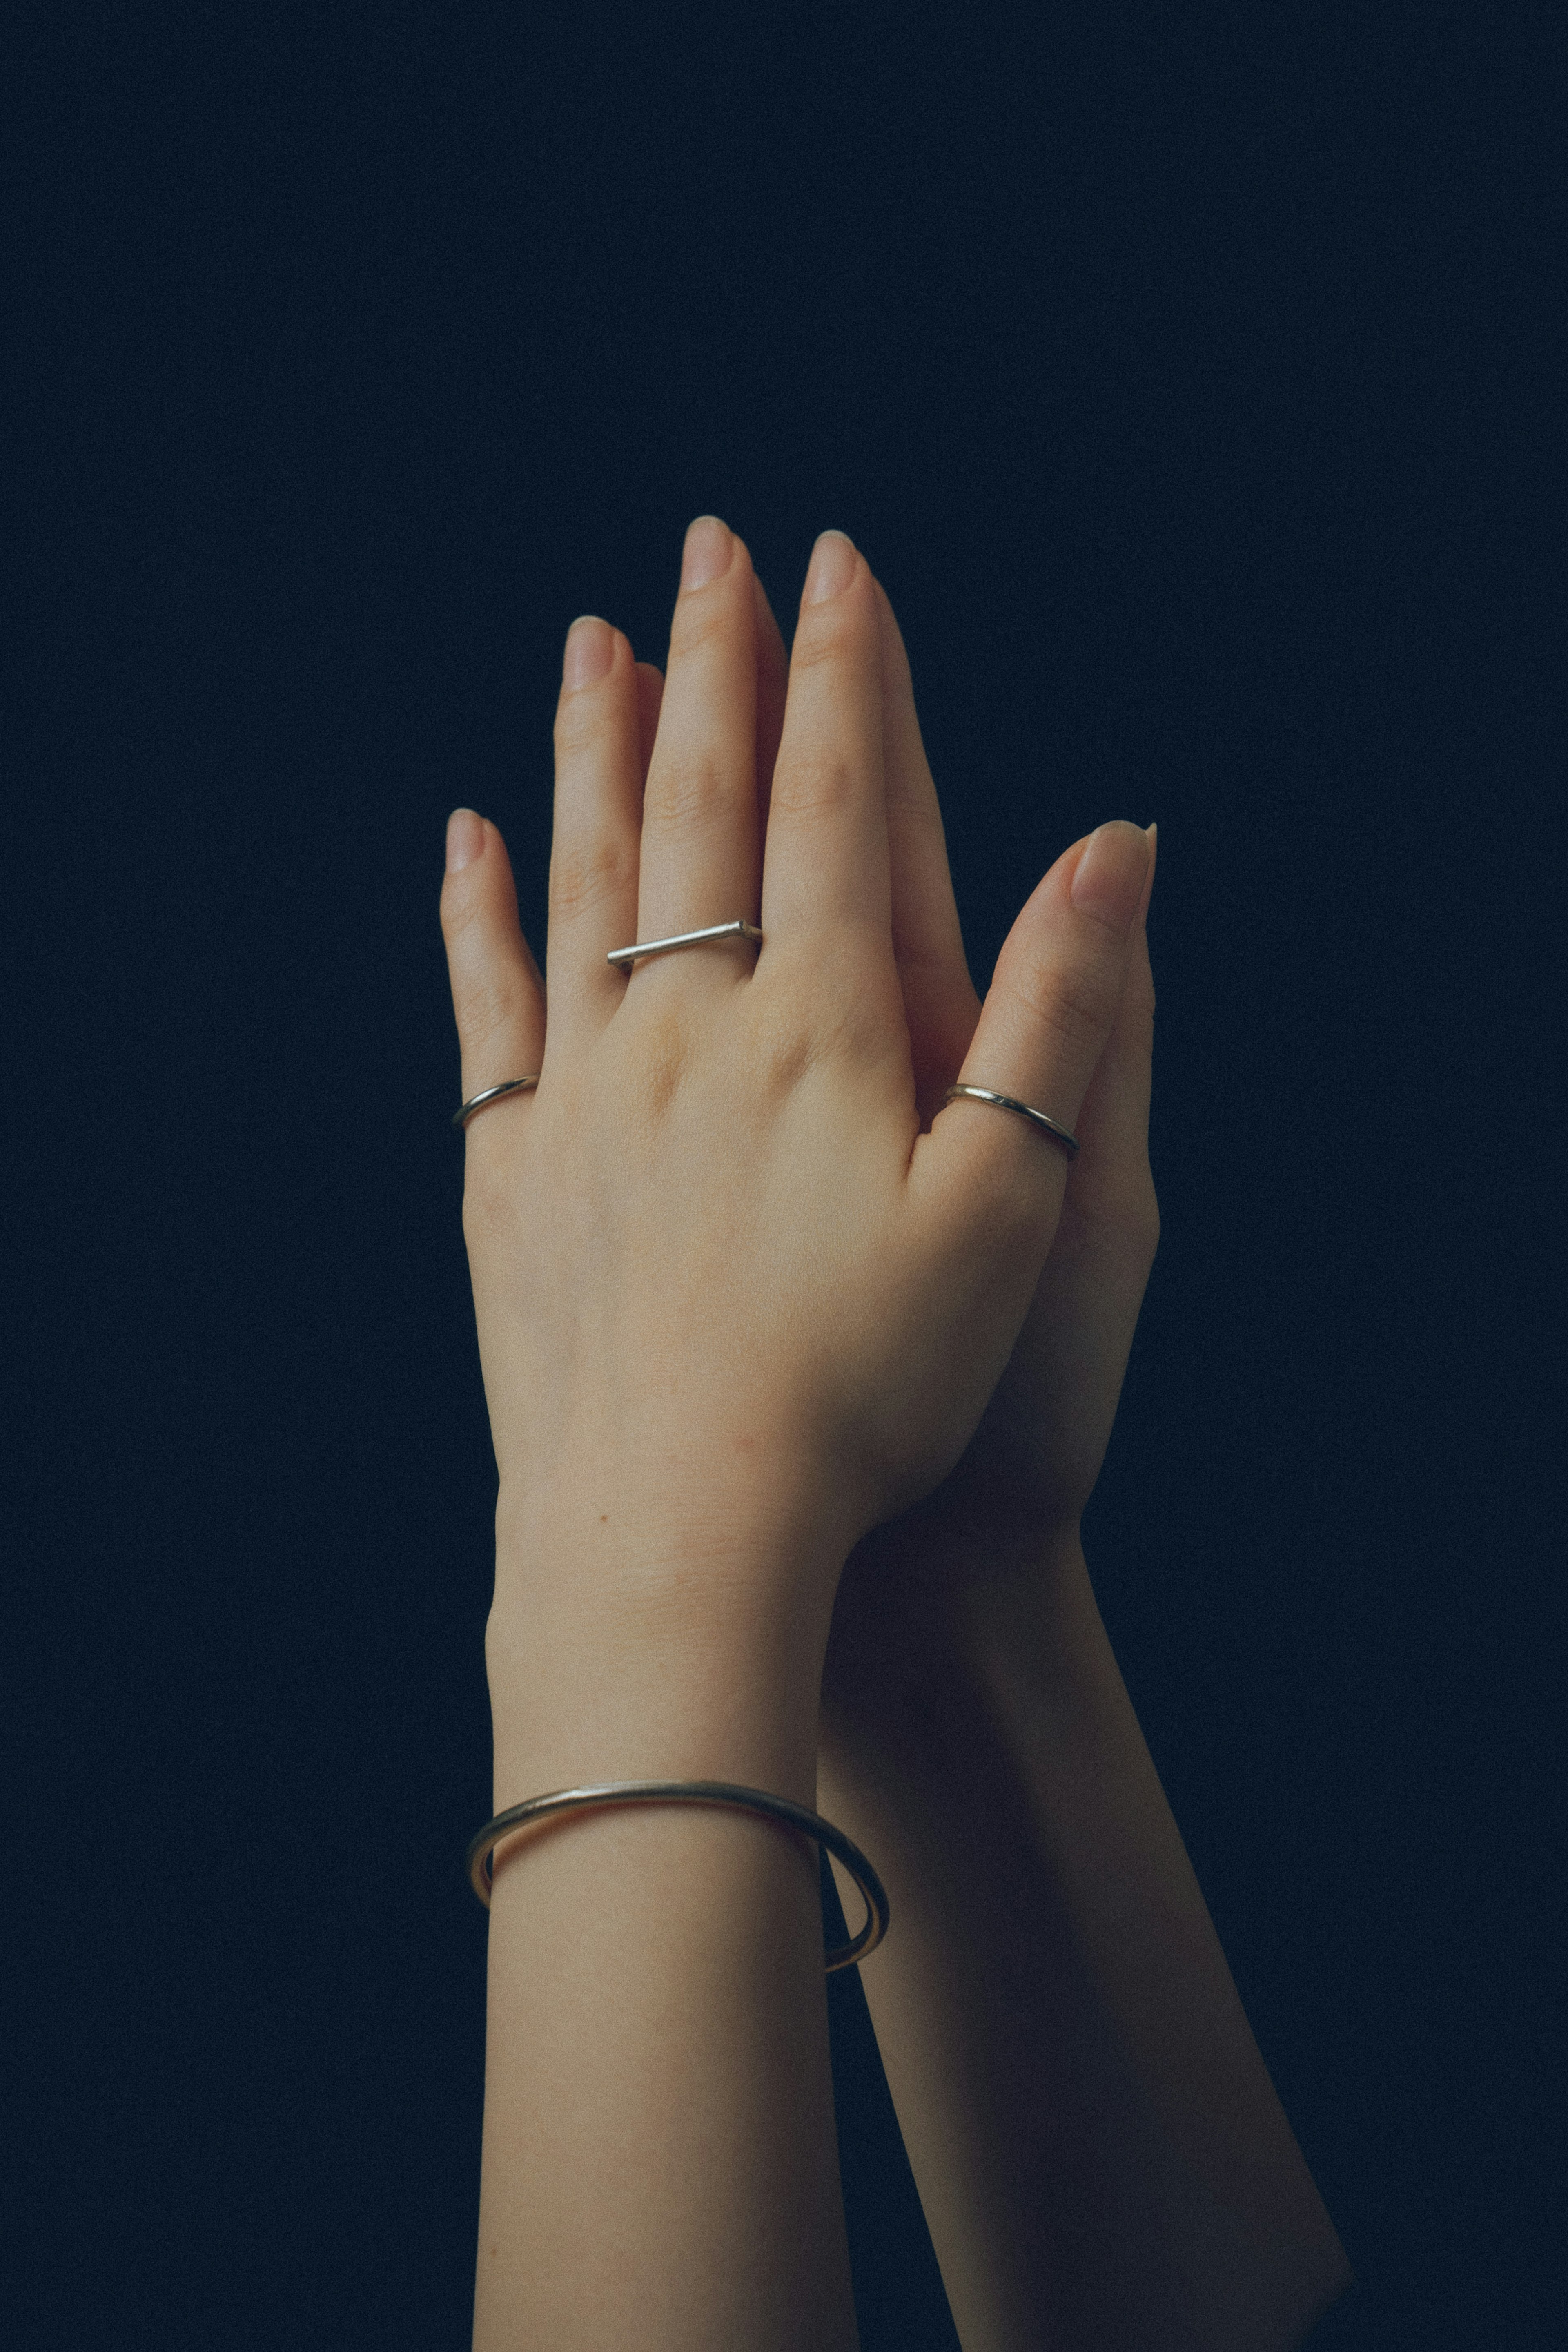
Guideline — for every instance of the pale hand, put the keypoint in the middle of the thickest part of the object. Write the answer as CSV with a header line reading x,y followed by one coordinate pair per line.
x,y
735,1304
1011,1507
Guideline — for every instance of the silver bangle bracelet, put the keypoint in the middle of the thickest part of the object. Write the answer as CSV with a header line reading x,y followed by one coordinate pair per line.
x,y
479,1866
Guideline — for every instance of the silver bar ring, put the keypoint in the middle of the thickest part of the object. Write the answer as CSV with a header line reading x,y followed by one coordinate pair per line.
x,y
738,930
490,1094
1050,1127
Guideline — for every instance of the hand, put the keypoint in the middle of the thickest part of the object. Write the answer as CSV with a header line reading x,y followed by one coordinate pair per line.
x,y
1034,1460
734,1306
1015,1499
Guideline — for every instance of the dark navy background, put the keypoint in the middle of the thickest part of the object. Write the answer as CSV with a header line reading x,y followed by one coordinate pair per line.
x,y
1183,374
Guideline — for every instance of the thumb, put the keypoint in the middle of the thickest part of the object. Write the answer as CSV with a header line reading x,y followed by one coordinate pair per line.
x,y
1110,1180
1045,1021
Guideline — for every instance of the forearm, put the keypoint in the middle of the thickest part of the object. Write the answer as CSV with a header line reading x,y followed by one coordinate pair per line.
x,y
660,2163
1100,2152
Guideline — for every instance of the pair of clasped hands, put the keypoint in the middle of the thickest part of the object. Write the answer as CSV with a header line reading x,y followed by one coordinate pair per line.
x,y
745,1289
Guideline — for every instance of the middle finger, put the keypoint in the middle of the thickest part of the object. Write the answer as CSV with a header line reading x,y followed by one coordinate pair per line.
x,y
700,842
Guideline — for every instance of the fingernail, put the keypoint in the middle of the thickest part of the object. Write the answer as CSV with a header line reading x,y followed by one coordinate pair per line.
x,y
832,568
709,546
464,839
1109,882
589,651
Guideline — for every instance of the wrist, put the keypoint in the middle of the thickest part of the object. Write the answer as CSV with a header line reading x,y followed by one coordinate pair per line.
x,y
569,1715
623,1649
666,1519
920,1597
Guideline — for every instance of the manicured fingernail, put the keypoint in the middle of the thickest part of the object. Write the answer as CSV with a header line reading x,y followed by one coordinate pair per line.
x,y
589,652
709,546
464,839
1109,882
832,568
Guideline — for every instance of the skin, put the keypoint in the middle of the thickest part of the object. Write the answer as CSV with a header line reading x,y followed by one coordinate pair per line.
x,y
798,1384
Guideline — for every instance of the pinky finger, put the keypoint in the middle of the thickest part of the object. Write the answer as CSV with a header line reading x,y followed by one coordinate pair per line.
x,y
497,992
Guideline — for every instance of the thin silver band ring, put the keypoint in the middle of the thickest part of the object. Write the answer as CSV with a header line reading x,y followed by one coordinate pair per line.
x,y
490,1094
739,929
878,1911
1050,1127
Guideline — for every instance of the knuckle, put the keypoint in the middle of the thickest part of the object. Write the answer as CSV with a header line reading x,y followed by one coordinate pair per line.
x,y
814,780
582,721
829,633
473,911
785,1058
697,622
820,1014
1073,1002
582,874
661,1065
812,1032
487,1005
460,908
688,793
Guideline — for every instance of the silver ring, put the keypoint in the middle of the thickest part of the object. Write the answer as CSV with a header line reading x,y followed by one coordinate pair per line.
x,y
1050,1127
696,1792
490,1094
738,930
